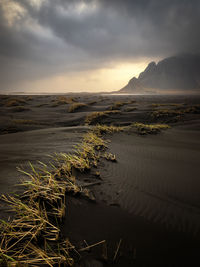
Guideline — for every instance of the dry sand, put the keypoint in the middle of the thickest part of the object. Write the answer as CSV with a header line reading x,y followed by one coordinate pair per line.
x,y
18,149
156,177
149,199
25,113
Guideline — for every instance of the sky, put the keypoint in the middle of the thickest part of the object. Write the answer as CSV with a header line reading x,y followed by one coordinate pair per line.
x,y
90,45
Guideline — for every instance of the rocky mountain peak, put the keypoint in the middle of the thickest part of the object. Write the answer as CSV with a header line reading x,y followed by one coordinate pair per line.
x,y
181,72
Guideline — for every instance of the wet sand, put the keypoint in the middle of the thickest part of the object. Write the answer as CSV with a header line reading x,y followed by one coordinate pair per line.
x,y
150,198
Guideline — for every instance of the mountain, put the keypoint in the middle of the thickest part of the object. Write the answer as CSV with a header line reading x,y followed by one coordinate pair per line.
x,y
178,73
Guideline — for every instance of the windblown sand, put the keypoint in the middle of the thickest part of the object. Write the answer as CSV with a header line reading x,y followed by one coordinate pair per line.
x,y
149,198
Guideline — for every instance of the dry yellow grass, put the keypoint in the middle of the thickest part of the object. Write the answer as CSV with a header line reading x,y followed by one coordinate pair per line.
x,y
117,105
76,106
143,129
63,100
97,115
15,102
110,156
161,113
179,111
155,105
33,236
100,129
19,109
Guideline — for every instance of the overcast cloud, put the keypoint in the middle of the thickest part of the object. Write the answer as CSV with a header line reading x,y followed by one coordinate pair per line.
x,y
41,38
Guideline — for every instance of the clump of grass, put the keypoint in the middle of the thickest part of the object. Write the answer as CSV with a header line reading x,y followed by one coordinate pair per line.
x,y
97,174
97,115
33,236
19,109
165,113
76,106
15,102
24,121
43,186
117,105
63,100
155,105
100,129
87,153
143,129
193,109
75,161
110,156
86,150
25,240
97,142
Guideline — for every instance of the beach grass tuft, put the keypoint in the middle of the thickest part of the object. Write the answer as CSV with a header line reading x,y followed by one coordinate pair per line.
x,y
165,113
94,117
15,102
63,100
178,112
76,106
117,105
32,237
100,129
19,109
143,129
156,105
110,157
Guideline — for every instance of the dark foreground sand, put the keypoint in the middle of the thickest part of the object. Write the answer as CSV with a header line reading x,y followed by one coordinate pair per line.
x,y
150,198
157,177
18,149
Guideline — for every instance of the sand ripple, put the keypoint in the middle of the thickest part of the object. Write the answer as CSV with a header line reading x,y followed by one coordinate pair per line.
x,y
157,177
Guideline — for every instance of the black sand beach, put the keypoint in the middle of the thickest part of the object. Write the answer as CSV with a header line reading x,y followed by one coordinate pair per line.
x,y
149,199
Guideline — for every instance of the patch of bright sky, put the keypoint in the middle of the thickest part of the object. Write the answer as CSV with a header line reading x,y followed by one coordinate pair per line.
x,y
13,11
106,79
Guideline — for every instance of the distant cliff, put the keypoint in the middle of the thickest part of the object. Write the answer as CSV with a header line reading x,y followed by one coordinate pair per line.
x,y
179,73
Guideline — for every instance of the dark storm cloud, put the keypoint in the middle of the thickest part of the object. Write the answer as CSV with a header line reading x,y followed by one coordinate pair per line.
x,y
128,27
169,25
62,35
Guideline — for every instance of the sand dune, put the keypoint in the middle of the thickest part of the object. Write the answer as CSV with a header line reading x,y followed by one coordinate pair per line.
x,y
149,197
156,177
19,148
